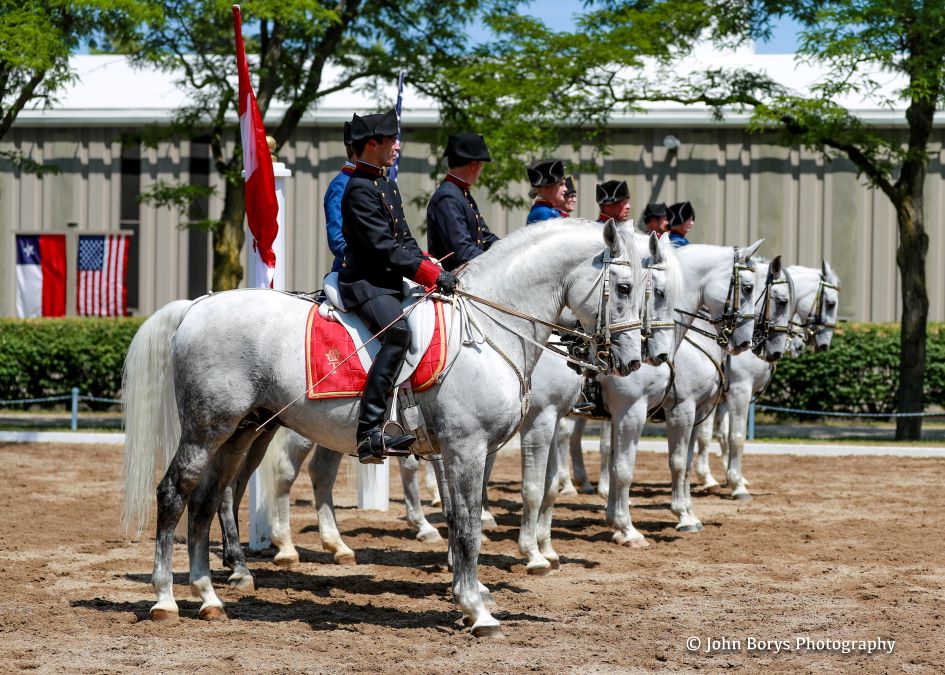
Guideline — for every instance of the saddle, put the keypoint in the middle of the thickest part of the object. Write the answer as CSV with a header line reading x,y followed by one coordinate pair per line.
x,y
333,333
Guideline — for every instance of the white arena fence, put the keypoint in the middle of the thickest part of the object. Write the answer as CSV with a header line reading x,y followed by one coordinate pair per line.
x,y
74,396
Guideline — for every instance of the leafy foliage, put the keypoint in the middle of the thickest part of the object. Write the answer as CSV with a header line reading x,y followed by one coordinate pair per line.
x,y
860,373
46,357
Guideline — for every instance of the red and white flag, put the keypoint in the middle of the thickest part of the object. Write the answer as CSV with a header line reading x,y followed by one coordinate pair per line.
x,y
40,275
103,264
262,209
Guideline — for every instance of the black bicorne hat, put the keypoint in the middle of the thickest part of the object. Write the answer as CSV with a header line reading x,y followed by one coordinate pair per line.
x,y
379,124
467,146
654,210
569,186
547,173
347,134
612,191
680,212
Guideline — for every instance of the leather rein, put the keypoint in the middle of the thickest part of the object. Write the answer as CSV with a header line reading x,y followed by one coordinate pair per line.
x,y
731,318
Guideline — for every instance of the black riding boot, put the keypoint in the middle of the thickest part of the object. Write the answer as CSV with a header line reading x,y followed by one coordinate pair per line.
x,y
592,405
377,389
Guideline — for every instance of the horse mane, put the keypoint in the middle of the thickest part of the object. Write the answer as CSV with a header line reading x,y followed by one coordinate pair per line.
x,y
562,234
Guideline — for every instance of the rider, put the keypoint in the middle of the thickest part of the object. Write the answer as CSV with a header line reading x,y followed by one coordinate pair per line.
x,y
332,202
570,196
453,219
548,188
613,198
681,219
656,219
380,253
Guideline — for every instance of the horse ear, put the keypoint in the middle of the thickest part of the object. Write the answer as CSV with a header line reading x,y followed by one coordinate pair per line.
x,y
745,254
825,269
654,246
776,266
612,238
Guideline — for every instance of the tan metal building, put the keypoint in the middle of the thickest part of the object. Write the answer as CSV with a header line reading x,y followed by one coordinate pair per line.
x,y
742,186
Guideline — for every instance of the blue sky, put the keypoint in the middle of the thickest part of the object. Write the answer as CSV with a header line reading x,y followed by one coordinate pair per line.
x,y
783,39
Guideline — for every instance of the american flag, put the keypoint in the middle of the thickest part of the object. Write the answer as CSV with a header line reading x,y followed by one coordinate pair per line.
x,y
103,263
392,172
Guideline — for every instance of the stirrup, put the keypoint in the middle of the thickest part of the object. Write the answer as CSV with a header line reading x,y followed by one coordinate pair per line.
x,y
390,446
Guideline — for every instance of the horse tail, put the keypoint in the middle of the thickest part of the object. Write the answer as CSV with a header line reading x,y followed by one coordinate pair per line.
x,y
152,425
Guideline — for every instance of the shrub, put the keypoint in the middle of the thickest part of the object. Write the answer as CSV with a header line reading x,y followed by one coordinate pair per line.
x,y
46,357
860,373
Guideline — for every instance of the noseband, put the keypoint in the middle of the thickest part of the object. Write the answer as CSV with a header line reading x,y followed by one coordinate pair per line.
x,y
730,318
810,329
764,326
604,330
648,324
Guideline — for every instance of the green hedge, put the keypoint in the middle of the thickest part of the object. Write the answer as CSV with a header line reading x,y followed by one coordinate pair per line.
x,y
45,357
859,373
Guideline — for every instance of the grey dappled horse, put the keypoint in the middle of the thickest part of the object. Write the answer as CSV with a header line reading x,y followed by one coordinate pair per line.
x,y
237,357
816,298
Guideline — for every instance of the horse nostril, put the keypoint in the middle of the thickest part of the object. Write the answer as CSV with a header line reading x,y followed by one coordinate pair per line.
x,y
663,358
634,365
777,356
822,348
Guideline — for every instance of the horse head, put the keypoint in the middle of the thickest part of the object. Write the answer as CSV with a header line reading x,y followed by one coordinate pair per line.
x,y
774,306
662,286
607,296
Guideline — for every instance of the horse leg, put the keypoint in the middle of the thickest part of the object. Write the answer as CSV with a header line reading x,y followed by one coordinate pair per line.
x,y
538,433
679,423
203,503
626,435
488,520
560,447
465,470
701,469
323,469
429,480
603,485
738,424
546,510
290,453
180,479
409,478
576,453
233,557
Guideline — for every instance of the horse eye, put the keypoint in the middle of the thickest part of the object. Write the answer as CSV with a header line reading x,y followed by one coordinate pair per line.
x,y
659,293
623,289
831,304
782,302
748,288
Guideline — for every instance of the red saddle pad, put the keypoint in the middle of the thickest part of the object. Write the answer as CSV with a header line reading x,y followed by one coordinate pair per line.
x,y
327,343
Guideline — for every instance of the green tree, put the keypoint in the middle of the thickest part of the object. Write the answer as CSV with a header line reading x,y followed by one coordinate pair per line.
x,y
291,45
853,39
36,40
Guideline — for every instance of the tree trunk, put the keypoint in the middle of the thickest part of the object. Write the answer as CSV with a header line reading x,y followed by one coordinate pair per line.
x,y
228,238
913,248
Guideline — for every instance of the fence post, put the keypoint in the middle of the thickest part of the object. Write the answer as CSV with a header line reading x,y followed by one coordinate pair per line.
x,y
751,422
75,409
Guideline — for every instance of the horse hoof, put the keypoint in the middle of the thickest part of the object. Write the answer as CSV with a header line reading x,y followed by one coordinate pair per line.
x,y
568,489
743,496
712,489
488,600
490,632
555,563
429,536
286,562
213,614
467,622
638,543
488,523
165,617
587,489
243,583
484,539
345,559
690,528
539,571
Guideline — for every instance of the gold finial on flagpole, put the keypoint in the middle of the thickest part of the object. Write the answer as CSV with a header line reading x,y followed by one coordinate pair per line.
x,y
271,142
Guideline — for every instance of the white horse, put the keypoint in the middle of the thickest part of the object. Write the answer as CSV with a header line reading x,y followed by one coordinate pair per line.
x,y
237,358
816,298
711,276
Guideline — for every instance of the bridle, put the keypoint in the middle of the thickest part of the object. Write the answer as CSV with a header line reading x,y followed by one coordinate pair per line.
x,y
764,325
598,343
810,329
648,324
731,318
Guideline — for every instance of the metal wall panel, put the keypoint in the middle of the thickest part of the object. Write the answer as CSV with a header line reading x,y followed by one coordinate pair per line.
x,y
742,186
